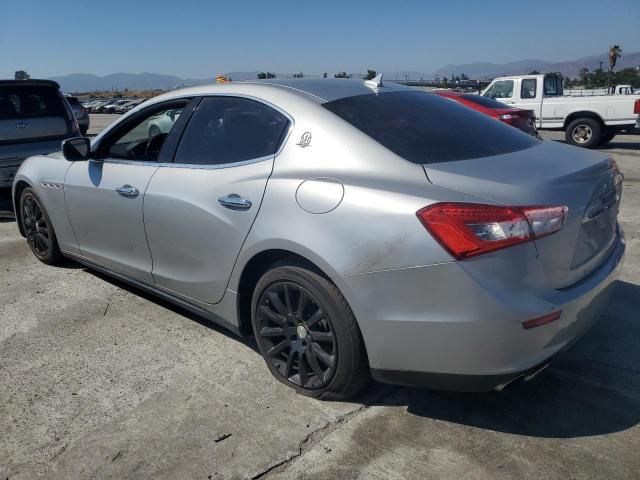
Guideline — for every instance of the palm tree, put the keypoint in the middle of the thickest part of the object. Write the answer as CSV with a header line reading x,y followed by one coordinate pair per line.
x,y
615,52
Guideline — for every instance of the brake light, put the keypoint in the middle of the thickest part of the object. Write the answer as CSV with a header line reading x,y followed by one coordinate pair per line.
x,y
636,107
507,116
469,229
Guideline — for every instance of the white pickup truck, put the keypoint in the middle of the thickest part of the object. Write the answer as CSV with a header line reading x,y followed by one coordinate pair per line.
x,y
587,121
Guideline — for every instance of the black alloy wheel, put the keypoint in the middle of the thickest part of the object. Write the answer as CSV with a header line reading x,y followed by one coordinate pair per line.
x,y
307,332
297,335
38,229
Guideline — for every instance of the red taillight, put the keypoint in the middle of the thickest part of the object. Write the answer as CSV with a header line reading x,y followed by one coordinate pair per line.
x,y
536,322
636,107
469,229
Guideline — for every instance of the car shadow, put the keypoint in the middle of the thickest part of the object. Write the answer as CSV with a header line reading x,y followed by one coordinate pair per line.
x,y
591,389
205,322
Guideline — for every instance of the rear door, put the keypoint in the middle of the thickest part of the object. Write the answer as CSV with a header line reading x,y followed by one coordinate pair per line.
x,y
198,211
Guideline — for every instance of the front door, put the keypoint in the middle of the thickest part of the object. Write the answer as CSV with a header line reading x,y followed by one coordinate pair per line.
x,y
104,196
199,210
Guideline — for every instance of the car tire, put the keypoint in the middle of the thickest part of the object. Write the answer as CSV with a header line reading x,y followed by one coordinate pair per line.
x,y
584,132
607,136
311,343
38,229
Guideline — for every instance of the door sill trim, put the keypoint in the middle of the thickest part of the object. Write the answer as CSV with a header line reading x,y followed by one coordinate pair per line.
x,y
155,291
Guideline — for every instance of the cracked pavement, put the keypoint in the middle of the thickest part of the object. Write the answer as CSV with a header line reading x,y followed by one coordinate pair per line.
x,y
99,380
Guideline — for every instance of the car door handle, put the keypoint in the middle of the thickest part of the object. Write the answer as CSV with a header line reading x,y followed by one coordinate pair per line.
x,y
128,191
235,202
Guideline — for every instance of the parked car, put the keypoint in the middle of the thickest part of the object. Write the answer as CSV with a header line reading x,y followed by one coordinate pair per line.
x,y
93,107
164,122
101,107
516,117
353,227
34,119
587,121
111,108
131,104
80,112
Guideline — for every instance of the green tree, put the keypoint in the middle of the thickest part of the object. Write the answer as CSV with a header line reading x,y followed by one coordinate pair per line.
x,y
534,72
463,77
298,75
324,75
22,75
262,76
370,75
341,75
628,76
271,75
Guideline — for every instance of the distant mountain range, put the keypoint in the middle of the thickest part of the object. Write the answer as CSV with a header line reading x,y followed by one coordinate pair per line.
x,y
85,82
485,70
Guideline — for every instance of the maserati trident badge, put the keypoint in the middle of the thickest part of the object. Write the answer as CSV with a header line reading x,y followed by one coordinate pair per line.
x,y
305,140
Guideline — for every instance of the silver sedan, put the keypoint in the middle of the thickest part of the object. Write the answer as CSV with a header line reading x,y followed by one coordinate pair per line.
x,y
356,229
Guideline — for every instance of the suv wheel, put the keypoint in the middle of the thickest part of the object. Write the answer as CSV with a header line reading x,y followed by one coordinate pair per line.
x,y
38,229
308,335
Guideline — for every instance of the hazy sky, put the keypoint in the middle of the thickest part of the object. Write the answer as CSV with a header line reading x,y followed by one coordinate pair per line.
x,y
194,39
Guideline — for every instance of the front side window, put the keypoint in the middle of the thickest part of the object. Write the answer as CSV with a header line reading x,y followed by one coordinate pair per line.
x,y
426,128
500,89
528,88
143,138
226,130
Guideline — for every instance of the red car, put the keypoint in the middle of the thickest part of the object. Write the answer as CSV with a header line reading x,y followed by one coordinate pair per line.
x,y
516,117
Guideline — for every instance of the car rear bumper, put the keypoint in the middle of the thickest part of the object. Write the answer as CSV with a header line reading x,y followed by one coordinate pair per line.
x,y
438,327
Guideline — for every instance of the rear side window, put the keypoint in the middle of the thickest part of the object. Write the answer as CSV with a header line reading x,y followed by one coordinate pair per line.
x,y
229,129
528,88
28,101
426,128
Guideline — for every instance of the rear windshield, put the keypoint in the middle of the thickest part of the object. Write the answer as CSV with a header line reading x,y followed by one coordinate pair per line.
x,y
426,128
27,101
484,101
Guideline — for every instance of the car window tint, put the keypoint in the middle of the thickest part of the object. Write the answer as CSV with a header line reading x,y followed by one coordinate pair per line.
x,y
426,128
18,101
230,129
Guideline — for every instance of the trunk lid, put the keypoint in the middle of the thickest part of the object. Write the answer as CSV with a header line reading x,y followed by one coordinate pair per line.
x,y
549,174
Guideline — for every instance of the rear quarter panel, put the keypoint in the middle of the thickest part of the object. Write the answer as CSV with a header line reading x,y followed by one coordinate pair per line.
x,y
374,225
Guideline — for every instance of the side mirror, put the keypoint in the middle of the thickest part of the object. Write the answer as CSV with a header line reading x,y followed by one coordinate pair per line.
x,y
75,149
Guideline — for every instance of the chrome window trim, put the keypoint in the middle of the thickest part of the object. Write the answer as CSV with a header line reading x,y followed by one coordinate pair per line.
x,y
197,166
218,166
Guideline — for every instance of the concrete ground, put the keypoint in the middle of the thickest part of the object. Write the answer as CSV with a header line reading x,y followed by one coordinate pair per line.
x,y
99,380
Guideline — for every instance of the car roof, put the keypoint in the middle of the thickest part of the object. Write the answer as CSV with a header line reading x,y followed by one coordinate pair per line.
x,y
329,89
31,83
319,90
